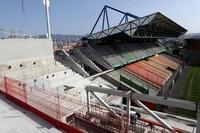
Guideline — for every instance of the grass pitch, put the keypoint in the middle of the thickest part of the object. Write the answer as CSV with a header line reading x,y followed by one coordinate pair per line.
x,y
192,85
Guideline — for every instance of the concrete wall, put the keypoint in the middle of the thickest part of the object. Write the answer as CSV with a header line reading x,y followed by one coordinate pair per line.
x,y
15,50
29,69
27,58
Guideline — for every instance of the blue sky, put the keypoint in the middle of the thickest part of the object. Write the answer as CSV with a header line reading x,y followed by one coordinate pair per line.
x,y
78,16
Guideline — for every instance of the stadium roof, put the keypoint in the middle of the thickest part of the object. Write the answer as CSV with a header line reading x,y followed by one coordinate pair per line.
x,y
155,25
190,36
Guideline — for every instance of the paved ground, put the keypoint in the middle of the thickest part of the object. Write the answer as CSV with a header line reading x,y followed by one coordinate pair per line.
x,y
14,119
178,90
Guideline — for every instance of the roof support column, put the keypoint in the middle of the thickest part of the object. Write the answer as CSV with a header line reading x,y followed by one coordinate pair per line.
x,y
128,105
198,119
88,100
105,104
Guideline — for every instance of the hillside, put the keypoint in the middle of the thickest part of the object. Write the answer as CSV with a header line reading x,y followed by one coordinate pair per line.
x,y
65,38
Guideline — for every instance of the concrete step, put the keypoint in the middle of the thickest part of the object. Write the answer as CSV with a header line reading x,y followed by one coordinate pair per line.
x,y
86,60
68,60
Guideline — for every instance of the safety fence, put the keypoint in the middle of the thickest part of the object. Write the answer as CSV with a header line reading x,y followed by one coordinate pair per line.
x,y
58,110
100,120
46,105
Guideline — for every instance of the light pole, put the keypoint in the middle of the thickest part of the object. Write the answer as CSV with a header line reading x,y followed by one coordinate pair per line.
x,y
46,3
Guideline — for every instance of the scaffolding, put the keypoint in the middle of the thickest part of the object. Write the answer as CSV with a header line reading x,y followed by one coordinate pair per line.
x,y
47,105
74,116
100,120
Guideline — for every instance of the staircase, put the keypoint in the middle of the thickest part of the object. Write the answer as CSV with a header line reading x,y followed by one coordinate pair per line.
x,y
67,60
85,59
91,54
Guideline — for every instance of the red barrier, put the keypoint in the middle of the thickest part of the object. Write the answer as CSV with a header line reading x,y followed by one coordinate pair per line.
x,y
178,130
47,105
35,101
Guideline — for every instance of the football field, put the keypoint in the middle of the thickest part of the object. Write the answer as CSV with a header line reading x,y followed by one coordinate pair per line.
x,y
192,85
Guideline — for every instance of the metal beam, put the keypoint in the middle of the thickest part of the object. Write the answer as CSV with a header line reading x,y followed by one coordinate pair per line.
x,y
108,24
131,15
198,119
128,109
122,20
173,29
101,73
103,20
105,15
160,114
183,104
126,13
108,91
97,20
105,104
153,115
88,100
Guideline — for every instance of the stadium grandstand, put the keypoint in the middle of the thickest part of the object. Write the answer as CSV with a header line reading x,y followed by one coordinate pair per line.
x,y
134,51
132,55
117,79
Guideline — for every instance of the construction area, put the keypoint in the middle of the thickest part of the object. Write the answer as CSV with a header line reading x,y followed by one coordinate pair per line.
x,y
121,79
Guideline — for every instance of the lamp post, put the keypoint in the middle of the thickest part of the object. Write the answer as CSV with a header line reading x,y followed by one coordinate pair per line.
x,y
46,3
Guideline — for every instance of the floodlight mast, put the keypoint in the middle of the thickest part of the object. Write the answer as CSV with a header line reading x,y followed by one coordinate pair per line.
x,y
46,3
